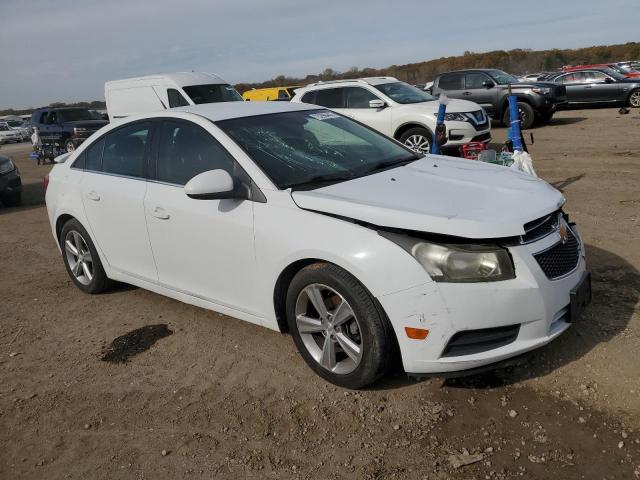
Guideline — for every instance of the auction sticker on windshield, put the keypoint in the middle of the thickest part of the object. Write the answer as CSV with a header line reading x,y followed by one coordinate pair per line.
x,y
324,115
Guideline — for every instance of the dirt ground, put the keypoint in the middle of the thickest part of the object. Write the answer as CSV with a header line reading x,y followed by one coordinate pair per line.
x,y
220,398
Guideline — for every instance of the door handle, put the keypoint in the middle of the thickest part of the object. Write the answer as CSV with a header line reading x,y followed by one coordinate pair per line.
x,y
93,195
587,86
467,93
160,213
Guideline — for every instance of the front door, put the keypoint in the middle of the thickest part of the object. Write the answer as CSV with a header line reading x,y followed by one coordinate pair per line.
x,y
356,103
475,89
201,247
601,88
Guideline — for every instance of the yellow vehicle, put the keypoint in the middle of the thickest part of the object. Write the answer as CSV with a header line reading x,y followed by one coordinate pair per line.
x,y
283,94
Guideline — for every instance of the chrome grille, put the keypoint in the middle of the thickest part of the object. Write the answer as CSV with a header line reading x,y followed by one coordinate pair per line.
x,y
561,259
540,228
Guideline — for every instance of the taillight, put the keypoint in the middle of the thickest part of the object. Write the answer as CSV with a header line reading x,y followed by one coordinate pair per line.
x,y
45,182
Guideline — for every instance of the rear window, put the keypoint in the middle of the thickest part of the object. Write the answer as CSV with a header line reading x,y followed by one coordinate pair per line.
x,y
329,98
452,81
214,93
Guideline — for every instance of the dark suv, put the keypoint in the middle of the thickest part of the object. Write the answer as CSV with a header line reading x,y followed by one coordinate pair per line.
x,y
68,127
537,101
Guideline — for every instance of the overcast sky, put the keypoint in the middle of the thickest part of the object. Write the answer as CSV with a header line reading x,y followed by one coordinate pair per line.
x,y
65,50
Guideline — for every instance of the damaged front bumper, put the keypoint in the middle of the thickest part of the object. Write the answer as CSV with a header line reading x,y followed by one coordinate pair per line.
x,y
472,325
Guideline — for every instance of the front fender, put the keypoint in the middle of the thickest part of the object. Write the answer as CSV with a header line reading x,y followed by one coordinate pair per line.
x,y
379,264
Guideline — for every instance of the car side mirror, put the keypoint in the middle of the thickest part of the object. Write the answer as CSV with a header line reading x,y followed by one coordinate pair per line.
x,y
212,185
608,80
488,84
377,104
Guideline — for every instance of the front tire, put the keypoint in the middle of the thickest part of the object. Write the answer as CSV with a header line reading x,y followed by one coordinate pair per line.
x,y
417,139
337,328
81,259
634,98
527,116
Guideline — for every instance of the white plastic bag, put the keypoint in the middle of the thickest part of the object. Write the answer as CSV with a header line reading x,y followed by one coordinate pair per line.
x,y
522,161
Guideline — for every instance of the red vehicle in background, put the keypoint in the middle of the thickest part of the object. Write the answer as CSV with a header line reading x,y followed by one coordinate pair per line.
x,y
626,71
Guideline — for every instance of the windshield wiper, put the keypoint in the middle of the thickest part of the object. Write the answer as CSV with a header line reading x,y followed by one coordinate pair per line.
x,y
321,179
395,163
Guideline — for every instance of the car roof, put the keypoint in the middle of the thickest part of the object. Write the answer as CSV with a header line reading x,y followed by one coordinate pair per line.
x,y
228,110
464,70
351,81
179,78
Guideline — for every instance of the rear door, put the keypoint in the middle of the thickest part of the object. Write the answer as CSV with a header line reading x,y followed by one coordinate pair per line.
x,y
452,84
576,85
113,188
201,247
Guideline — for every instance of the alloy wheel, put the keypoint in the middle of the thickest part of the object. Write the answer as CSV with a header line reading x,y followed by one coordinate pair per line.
x,y
418,143
634,100
79,257
329,329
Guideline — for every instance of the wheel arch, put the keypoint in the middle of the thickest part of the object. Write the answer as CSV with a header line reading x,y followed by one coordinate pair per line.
x,y
408,126
282,286
520,97
60,222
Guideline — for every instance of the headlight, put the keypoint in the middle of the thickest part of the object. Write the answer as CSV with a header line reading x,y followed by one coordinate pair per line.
x,y
541,90
7,166
453,117
457,263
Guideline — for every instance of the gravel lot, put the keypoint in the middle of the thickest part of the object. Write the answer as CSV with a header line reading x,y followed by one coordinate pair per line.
x,y
220,398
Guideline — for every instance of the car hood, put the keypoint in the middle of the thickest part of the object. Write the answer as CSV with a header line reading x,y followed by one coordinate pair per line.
x,y
440,195
454,106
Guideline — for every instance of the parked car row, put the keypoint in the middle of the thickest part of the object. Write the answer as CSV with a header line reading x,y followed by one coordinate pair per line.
x,y
14,131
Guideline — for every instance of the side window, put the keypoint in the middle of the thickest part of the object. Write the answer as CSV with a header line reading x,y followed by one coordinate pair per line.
x,y
357,97
43,117
329,98
451,81
309,97
575,77
186,150
595,77
124,150
282,95
175,98
52,118
474,80
93,156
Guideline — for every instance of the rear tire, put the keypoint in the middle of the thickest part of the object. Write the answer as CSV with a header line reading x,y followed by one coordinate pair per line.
x,y
81,259
527,116
356,350
634,98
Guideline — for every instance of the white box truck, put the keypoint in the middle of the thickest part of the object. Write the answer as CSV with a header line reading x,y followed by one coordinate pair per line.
x,y
153,93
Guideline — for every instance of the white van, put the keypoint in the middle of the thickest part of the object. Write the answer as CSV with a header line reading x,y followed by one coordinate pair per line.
x,y
153,93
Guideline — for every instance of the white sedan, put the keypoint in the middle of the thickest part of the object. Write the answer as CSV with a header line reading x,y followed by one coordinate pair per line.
x,y
298,219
